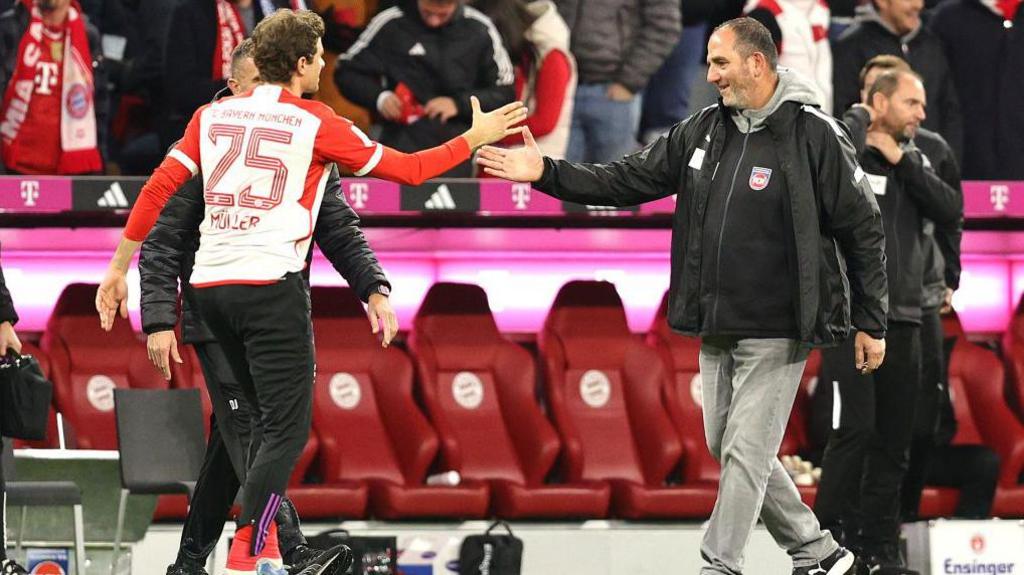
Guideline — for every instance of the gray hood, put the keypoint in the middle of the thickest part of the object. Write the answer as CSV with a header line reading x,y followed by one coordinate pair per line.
x,y
793,87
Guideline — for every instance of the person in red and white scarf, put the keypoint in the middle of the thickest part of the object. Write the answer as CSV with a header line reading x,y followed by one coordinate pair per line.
x,y
51,115
194,70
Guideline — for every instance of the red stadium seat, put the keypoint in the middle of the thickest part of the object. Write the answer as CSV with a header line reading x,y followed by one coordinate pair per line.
x,y
682,397
1013,353
87,364
373,434
480,392
605,391
977,375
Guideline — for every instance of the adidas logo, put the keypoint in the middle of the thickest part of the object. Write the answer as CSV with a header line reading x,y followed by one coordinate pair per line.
x,y
113,197
441,199
417,50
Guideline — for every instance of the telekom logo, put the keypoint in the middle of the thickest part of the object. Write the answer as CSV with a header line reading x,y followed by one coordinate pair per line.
x,y
29,192
999,195
359,193
521,195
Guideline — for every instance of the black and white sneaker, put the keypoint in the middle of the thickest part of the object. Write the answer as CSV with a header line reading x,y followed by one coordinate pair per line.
x,y
333,561
180,569
11,567
840,562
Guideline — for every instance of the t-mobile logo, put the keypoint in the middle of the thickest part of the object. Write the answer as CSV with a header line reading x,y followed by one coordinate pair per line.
x,y
30,192
46,77
359,193
999,195
521,195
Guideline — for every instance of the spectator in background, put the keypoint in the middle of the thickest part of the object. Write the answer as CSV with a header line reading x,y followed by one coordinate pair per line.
x,y
984,41
618,45
197,63
800,31
666,98
417,64
53,115
537,40
894,27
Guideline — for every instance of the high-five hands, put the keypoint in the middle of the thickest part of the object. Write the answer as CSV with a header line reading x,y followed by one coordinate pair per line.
x,y
493,126
523,164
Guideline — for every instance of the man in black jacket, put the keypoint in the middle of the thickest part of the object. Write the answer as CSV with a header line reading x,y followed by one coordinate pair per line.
x,y
769,198
167,255
984,42
894,27
186,67
867,454
417,64
8,342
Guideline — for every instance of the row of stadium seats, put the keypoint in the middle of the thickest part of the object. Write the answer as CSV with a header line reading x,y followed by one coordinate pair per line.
x,y
608,423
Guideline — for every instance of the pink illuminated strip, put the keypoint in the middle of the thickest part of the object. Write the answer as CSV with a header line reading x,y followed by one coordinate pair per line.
x,y
520,285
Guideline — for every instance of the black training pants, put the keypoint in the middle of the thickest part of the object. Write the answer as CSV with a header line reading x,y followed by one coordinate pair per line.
x,y
225,465
267,337
866,458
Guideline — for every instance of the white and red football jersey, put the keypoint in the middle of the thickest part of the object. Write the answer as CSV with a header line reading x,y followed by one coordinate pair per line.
x,y
264,156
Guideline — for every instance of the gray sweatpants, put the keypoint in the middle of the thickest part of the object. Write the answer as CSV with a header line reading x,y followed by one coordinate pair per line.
x,y
748,390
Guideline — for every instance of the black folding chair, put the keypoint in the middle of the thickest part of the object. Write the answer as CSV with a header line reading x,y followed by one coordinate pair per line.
x,y
160,438
27,494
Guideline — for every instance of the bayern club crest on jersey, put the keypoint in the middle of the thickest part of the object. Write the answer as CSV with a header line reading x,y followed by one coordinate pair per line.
x,y
759,178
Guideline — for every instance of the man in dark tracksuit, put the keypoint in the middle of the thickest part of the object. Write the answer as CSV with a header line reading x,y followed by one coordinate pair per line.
x,y
867,453
167,255
416,65
770,199
8,342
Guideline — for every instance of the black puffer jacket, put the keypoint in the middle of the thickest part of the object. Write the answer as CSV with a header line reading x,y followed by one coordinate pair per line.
x,y
169,252
14,23
907,193
833,213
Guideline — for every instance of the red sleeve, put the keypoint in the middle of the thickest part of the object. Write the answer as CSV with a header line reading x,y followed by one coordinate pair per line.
x,y
553,79
341,141
180,164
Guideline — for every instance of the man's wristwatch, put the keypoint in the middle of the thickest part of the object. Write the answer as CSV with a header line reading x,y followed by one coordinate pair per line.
x,y
383,290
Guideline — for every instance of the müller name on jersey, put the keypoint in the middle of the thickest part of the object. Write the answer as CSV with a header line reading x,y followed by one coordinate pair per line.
x,y
222,114
224,220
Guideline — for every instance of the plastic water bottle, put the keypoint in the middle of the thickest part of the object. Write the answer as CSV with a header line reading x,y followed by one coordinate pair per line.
x,y
448,478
